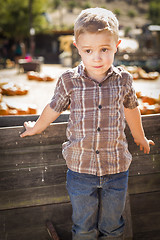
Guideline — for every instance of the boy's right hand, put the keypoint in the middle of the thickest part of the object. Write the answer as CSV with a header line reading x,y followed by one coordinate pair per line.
x,y
29,126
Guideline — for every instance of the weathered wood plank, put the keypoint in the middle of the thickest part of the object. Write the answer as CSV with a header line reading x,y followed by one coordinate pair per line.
x,y
18,120
40,233
31,157
32,226
24,218
32,177
144,164
10,137
29,197
28,223
146,222
52,154
145,203
149,235
144,183
145,211
8,121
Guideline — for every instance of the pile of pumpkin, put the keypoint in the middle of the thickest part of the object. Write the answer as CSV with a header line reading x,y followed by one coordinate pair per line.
x,y
148,105
11,89
39,76
139,73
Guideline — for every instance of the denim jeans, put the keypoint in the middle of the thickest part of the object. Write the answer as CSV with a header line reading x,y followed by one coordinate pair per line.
x,y
97,204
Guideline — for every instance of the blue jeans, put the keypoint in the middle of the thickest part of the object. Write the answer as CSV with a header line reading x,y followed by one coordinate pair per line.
x,y
97,204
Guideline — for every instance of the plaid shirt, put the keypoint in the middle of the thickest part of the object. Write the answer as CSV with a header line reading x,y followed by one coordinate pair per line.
x,y
96,139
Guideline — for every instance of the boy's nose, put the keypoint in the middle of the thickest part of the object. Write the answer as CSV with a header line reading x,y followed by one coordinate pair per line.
x,y
97,57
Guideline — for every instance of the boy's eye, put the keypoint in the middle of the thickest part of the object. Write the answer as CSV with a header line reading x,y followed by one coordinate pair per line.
x,y
104,49
88,51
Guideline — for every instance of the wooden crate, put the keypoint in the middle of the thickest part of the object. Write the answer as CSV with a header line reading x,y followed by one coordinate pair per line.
x,y
33,179
34,65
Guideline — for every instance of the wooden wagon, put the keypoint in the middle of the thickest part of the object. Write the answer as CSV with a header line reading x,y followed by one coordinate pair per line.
x,y
33,179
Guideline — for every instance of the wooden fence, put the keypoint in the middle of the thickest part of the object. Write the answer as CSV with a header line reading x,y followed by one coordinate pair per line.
x,y
33,179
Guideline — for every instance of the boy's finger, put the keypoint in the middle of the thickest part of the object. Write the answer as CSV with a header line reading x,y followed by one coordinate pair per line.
x,y
147,151
151,142
22,134
141,147
25,123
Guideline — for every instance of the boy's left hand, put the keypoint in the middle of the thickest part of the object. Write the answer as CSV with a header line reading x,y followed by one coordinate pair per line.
x,y
144,144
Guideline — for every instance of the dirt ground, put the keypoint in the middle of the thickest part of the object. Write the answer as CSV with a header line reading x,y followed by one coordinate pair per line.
x,y
40,93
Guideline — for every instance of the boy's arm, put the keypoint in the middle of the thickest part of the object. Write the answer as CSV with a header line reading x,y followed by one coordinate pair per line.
x,y
133,118
48,115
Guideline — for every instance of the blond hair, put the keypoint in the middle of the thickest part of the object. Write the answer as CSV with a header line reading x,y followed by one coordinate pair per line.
x,y
95,20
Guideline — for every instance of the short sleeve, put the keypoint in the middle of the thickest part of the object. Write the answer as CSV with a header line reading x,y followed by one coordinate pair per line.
x,y
61,99
130,98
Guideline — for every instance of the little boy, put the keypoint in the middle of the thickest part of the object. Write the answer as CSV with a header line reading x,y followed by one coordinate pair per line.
x,y
101,97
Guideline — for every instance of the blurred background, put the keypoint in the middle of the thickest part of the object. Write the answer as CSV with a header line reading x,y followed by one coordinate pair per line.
x,y
36,43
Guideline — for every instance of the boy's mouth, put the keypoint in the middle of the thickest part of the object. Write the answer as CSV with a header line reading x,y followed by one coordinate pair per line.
x,y
98,66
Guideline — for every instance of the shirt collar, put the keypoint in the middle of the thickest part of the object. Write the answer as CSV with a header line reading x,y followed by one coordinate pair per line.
x,y
79,71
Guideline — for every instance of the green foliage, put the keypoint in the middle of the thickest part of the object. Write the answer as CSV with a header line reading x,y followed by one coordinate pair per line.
x,y
71,4
126,31
15,17
56,3
117,12
87,5
154,12
131,13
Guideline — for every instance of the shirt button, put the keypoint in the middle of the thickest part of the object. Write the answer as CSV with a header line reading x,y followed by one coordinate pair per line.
x,y
100,106
97,152
98,129
100,84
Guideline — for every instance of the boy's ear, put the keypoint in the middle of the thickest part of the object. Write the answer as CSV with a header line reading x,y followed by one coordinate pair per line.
x,y
118,43
74,43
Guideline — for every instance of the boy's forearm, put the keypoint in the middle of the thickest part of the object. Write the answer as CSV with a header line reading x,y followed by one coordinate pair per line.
x,y
133,118
48,116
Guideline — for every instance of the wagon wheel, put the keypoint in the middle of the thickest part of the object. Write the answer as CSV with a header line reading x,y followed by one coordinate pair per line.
x,y
51,230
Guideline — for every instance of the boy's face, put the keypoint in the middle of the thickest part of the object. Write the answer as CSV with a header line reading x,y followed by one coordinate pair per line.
x,y
97,52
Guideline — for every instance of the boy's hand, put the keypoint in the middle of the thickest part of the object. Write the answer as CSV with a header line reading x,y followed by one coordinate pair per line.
x,y
29,126
144,144
47,116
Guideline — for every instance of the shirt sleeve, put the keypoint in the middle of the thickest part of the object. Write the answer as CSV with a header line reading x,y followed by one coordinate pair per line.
x,y
61,99
130,98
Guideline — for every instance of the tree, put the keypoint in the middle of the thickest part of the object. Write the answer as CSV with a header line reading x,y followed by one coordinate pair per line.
x,y
15,17
71,5
154,12
56,4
